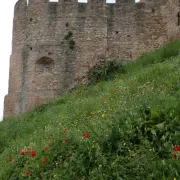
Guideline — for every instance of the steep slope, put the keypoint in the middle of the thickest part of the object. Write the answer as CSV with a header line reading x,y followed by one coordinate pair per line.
x,y
125,128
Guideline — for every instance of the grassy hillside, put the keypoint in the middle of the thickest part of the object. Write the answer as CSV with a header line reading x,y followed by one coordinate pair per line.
x,y
125,128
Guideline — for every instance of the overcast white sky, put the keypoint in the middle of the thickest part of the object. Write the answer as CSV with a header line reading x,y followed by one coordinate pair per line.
x,y
6,19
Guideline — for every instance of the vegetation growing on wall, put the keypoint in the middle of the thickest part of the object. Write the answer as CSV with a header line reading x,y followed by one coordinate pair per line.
x,y
72,44
69,38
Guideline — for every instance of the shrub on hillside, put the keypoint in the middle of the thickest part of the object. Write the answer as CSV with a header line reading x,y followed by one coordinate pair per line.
x,y
104,71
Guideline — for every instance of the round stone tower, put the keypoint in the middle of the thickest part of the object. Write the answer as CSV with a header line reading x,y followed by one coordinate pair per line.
x,y
42,63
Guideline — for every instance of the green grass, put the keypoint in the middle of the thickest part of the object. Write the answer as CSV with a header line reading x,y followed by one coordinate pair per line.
x,y
133,122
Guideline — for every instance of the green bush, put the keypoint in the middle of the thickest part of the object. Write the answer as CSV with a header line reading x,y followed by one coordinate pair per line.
x,y
104,71
41,108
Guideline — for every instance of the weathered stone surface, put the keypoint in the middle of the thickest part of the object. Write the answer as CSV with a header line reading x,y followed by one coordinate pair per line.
x,y
64,37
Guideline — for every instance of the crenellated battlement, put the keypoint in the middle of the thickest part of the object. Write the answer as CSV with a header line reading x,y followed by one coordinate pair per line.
x,y
55,42
73,8
91,8
73,2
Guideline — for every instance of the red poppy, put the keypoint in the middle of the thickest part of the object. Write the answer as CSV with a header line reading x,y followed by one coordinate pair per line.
x,y
66,140
86,135
177,148
61,164
105,97
45,149
170,89
27,173
45,159
174,156
89,66
10,159
133,84
65,131
33,153
22,153
44,162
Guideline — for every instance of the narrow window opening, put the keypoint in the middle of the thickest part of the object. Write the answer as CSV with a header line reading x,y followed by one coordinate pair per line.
x,y
82,1
178,16
110,1
30,48
46,68
153,10
44,65
117,32
30,19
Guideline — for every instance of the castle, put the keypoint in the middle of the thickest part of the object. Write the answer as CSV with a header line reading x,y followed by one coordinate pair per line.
x,y
53,42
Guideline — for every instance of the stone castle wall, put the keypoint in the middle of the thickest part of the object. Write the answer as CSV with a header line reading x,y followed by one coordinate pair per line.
x,y
43,32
